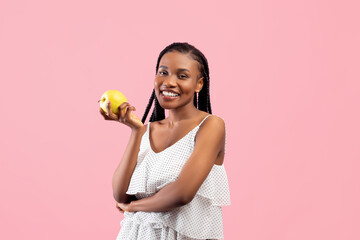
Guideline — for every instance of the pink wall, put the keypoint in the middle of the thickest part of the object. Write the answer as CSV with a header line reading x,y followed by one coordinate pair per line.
x,y
284,76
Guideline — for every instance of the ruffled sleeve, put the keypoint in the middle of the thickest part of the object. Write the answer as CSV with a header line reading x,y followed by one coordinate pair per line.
x,y
216,187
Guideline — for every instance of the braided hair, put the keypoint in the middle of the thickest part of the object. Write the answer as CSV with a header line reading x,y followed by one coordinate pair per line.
x,y
201,99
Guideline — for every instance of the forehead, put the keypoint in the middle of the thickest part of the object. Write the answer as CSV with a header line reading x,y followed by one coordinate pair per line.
x,y
174,60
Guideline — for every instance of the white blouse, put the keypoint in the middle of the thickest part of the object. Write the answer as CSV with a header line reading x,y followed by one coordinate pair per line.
x,y
199,219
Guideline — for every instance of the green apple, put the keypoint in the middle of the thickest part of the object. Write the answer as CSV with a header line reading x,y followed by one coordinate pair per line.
x,y
115,97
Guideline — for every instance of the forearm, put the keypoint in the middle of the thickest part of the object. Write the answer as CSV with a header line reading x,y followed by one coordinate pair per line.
x,y
166,199
125,169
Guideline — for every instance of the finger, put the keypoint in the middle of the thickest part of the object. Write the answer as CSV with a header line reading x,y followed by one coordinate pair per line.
x,y
123,104
123,110
102,112
110,114
117,206
127,114
122,206
108,108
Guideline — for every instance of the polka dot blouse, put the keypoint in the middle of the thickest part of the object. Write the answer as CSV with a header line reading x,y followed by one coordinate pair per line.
x,y
199,219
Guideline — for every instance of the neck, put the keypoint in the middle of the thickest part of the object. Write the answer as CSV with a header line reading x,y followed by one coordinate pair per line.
x,y
182,113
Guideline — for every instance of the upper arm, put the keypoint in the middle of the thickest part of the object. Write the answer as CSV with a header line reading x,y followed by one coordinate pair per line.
x,y
210,140
123,173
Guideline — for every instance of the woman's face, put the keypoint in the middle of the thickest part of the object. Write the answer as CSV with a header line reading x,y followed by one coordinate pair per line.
x,y
176,80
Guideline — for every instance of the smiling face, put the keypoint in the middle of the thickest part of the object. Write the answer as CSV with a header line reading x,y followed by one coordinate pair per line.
x,y
176,80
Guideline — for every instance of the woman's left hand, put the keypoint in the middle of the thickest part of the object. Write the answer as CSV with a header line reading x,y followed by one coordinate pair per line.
x,y
124,207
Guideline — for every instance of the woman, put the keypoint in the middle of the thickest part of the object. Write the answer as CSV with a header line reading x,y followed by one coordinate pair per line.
x,y
171,182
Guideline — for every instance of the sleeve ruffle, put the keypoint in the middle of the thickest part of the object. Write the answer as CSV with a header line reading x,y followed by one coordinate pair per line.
x,y
215,187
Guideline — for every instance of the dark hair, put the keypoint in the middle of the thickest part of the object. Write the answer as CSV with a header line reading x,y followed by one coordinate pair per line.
x,y
201,102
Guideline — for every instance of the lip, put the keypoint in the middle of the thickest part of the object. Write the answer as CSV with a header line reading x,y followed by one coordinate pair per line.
x,y
167,97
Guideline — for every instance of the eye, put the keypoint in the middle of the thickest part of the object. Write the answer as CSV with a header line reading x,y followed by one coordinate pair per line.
x,y
182,76
160,72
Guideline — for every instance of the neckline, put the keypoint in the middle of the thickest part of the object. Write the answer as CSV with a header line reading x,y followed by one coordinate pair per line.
x,y
151,149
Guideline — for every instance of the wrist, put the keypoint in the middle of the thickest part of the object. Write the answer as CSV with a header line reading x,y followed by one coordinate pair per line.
x,y
132,206
136,131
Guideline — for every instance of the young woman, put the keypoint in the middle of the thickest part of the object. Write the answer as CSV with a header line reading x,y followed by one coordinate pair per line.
x,y
171,182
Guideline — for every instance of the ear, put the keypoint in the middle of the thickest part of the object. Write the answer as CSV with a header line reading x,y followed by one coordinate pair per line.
x,y
199,84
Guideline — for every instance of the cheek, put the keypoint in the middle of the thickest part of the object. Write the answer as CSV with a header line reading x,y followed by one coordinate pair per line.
x,y
188,87
156,82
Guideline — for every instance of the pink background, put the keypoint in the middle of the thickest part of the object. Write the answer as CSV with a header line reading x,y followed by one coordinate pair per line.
x,y
284,75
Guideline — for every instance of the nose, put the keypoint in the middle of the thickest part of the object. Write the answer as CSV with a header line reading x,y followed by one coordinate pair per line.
x,y
170,80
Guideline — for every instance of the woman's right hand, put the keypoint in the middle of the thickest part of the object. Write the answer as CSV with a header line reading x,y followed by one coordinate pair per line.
x,y
124,116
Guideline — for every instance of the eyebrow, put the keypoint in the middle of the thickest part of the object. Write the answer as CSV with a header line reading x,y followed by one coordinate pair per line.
x,y
181,69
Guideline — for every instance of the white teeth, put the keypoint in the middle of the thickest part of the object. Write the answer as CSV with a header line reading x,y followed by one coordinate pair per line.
x,y
169,94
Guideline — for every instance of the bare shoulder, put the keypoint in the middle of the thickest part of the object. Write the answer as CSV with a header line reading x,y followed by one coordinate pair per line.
x,y
214,121
212,127
211,135
156,125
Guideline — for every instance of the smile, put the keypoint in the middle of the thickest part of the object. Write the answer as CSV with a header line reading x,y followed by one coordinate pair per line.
x,y
169,95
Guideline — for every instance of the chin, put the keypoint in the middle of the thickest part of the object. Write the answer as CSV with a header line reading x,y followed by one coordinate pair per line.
x,y
166,106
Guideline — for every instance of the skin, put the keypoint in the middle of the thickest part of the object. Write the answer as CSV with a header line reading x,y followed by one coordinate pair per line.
x,y
183,116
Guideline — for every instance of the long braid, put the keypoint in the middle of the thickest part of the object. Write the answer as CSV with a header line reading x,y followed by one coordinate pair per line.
x,y
158,113
204,94
201,100
195,100
208,96
148,106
